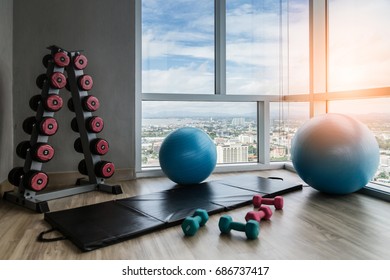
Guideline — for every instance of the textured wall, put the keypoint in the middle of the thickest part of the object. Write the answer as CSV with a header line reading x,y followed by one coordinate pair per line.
x,y
6,122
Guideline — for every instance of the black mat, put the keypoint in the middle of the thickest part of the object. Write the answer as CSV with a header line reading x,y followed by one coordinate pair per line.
x,y
95,226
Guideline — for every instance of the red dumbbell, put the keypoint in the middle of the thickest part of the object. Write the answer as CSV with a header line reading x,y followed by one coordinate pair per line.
x,y
61,59
53,103
85,82
58,80
90,103
277,201
42,152
104,169
264,213
48,126
35,180
95,124
80,62
99,146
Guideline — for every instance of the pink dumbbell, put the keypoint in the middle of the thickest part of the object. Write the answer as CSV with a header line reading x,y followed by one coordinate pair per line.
x,y
277,201
264,213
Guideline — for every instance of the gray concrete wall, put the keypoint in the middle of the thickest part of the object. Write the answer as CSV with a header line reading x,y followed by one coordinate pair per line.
x,y
104,29
6,122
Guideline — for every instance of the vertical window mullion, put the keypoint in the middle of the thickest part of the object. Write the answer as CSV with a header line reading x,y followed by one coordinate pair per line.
x,y
263,132
220,47
138,86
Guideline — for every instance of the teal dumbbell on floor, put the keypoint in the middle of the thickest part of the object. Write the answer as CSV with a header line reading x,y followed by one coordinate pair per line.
x,y
251,228
192,224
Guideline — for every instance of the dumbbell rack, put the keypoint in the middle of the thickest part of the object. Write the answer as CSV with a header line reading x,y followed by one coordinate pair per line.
x,y
28,191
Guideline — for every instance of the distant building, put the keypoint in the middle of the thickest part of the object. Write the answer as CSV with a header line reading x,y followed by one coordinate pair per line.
x,y
232,153
246,139
238,121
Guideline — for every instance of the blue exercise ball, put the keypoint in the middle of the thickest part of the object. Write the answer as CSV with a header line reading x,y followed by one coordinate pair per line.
x,y
335,153
188,156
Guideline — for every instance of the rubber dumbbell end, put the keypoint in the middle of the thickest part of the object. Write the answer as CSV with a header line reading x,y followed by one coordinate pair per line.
x,y
252,229
192,224
224,223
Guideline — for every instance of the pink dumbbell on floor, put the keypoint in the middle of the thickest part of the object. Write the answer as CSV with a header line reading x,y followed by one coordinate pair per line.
x,y
264,213
277,201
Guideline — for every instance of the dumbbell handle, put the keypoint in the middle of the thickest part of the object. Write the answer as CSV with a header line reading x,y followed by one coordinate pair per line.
x,y
237,226
198,219
255,215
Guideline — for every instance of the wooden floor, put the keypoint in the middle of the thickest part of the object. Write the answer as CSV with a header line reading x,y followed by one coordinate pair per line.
x,y
312,225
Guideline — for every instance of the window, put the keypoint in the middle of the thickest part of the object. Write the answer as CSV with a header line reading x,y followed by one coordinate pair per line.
x,y
259,69
177,46
252,47
285,119
376,115
359,40
212,65
232,127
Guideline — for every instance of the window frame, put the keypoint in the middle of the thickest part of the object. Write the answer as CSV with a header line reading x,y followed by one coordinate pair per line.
x,y
318,96
262,101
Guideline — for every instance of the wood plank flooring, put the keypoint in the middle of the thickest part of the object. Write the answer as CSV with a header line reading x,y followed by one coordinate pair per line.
x,y
312,225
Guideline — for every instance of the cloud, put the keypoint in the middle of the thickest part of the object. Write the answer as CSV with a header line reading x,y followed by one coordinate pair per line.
x,y
359,43
190,79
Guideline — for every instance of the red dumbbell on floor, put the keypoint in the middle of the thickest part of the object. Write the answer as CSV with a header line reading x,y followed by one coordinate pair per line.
x,y
264,213
277,201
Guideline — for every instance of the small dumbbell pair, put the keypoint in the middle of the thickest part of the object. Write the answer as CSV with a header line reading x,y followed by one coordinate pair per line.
x,y
251,227
191,224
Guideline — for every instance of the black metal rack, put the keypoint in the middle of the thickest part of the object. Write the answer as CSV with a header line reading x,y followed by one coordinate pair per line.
x,y
29,180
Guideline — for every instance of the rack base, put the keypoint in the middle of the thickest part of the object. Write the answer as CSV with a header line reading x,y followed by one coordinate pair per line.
x,y
38,202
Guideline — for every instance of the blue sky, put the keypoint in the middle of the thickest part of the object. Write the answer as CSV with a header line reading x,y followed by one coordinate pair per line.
x,y
178,46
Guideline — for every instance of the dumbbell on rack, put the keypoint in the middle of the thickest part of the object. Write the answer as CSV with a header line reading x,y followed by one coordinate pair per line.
x,y
34,180
85,82
63,69
51,103
98,146
61,59
89,103
251,228
104,169
92,124
46,126
192,224
40,152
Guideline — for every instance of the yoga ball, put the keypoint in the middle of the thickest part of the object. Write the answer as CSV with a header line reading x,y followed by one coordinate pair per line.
x,y
335,153
188,156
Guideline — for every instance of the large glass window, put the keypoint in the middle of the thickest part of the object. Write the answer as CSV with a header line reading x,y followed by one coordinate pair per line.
x,y
359,43
375,114
267,47
297,47
231,125
285,119
252,46
178,46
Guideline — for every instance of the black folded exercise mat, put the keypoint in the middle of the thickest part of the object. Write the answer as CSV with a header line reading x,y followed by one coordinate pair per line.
x,y
99,225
